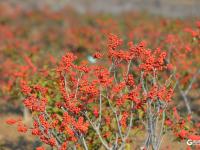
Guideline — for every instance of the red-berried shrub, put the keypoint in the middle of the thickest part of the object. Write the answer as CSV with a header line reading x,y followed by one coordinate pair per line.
x,y
79,101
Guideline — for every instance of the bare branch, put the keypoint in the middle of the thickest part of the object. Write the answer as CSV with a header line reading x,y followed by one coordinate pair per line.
x,y
130,123
161,131
100,108
128,68
116,117
77,86
84,143
66,88
142,81
105,144
192,82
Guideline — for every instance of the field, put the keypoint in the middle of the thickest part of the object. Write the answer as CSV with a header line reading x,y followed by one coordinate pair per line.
x,y
72,80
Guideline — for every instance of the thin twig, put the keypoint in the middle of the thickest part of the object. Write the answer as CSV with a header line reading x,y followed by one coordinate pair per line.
x,y
105,144
100,108
191,82
77,86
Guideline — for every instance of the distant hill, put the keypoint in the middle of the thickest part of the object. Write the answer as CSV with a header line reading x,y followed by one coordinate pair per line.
x,y
171,8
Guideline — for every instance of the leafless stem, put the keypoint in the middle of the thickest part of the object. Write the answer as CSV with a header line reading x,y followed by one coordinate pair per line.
x,y
66,88
48,136
128,130
117,120
77,86
52,131
130,123
84,143
192,82
116,141
100,107
184,93
161,131
105,144
185,100
142,81
154,76
128,68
